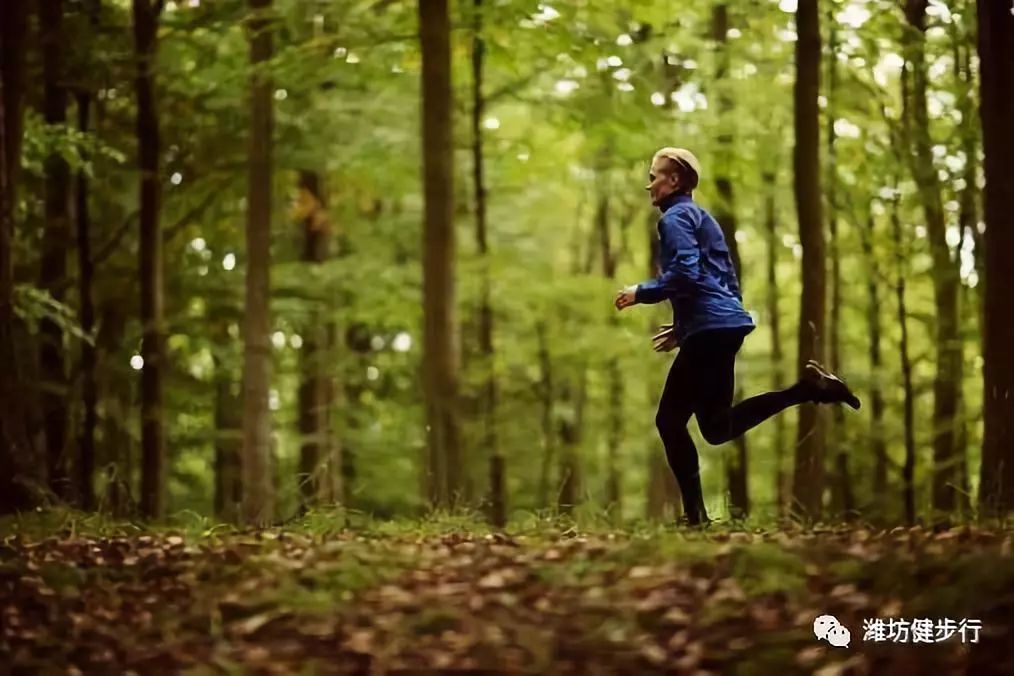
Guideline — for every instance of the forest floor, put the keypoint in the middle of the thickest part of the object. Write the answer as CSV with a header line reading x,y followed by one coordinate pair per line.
x,y
544,597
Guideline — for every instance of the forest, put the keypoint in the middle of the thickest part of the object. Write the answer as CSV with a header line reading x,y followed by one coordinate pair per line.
x,y
280,279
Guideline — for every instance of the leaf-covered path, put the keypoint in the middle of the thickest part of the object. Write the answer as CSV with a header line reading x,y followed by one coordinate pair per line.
x,y
549,600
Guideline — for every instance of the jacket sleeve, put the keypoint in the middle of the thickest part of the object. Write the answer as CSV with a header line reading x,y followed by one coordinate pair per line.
x,y
679,273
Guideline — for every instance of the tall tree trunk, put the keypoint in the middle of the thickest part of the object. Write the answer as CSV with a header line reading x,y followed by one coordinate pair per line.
x,y
808,477
614,375
53,260
878,441
946,384
908,469
663,491
497,488
844,497
996,56
20,478
736,462
968,226
440,348
89,393
317,473
153,457
258,482
573,391
782,477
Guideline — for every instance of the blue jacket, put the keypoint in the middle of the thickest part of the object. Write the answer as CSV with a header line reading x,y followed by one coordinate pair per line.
x,y
697,275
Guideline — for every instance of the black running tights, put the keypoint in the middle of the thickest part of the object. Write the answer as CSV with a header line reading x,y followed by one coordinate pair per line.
x,y
701,382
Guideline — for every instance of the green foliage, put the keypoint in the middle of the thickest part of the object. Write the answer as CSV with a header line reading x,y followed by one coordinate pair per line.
x,y
32,305
78,149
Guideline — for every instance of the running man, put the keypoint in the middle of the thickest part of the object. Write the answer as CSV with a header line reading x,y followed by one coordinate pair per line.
x,y
709,324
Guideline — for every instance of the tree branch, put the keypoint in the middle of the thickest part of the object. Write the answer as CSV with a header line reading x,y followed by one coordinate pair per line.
x,y
107,249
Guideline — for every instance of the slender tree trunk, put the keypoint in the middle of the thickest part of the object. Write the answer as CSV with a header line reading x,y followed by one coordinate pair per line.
x,y
546,399
258,483
968,212
115,391
13,32
615,434
53,260
837,439
663,501
20,478
963,487
808,478
832,209
356,345
228,428
334,399
878,441
89,394
228,433
316,471
968,195
153,457
735,462
440,348
782,477
663,491
573,390
908,469
996,56
614,438
968,226
571,484
497,487
946,384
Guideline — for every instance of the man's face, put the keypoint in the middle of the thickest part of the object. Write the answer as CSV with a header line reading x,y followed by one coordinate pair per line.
x,y
662,181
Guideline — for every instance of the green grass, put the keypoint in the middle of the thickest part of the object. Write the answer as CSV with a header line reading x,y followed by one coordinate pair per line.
x,y
43,523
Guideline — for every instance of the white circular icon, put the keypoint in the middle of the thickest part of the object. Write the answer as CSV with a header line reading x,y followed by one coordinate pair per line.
x,y
827,628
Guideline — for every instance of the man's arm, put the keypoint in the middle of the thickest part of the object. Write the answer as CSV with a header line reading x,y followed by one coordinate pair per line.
x,y
680,273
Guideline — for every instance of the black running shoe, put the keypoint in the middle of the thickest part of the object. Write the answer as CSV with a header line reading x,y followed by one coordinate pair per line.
x,y
827,388
695,523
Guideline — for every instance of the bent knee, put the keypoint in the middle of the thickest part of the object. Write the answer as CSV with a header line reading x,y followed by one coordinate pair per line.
x,y
666,421
661,424
715,431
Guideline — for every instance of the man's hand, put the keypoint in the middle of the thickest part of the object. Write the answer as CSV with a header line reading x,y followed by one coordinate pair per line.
x,y
626,297
664,340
